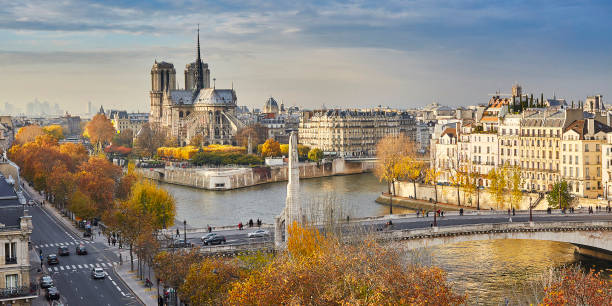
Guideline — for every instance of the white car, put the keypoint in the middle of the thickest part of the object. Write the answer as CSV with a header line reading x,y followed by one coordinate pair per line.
x,y
258,233
98,273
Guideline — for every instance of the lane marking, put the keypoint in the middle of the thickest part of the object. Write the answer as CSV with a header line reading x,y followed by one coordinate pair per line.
x,y
61,268
79,266
73,267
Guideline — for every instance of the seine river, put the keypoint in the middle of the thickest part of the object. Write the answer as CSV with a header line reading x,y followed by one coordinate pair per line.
x,y
488,271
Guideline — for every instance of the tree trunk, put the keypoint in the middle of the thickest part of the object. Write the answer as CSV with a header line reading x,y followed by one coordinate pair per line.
x,y
391,199
414,185
131,259
436,191
458,197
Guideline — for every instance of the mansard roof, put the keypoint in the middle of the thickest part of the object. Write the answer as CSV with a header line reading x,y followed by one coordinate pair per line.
x,y
581,127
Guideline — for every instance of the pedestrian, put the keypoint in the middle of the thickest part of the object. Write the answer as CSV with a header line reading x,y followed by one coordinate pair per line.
x,y
461,211
108,240
178,233
513,212
120,259
348,219
418,211
250,222
209,229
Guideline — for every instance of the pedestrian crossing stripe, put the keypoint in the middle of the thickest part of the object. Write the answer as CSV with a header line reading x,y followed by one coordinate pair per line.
x,y
83,266
49,245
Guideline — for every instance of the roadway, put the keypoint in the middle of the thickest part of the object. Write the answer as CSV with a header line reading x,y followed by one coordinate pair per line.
x,y
72,276
237,237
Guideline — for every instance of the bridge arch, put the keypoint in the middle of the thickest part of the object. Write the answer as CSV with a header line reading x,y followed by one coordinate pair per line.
x,y
592,234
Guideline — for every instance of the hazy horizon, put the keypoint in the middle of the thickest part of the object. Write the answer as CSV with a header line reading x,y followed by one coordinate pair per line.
x,y
341,54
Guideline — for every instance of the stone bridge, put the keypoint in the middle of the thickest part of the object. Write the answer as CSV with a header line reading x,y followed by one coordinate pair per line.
x,y
588,236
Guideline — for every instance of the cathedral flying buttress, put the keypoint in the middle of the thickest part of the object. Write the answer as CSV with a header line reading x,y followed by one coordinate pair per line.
x,y
195,110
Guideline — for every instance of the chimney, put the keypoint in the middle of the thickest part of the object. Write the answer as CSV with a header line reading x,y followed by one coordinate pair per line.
x,y
591,126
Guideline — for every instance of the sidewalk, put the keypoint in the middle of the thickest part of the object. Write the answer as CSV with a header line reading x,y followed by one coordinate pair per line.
x,y
147,295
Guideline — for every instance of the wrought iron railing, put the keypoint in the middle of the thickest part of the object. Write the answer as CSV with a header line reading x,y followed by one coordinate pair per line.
x,y
10,260
17,292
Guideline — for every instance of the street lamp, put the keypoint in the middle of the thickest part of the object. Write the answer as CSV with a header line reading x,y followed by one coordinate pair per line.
x,y
185,230
530,216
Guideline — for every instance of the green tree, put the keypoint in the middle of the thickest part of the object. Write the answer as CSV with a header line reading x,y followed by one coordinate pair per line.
x,y
315,154
82,206
560,196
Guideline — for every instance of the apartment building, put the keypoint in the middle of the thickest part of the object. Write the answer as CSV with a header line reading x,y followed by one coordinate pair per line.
x,y
581,162
509,134
351,132
15,230
122,120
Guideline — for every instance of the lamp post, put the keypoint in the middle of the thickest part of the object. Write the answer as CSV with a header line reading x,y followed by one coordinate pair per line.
x,y
530,216
185,230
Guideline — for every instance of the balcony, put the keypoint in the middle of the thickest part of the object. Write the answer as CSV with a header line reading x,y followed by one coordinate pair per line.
x,y
23,292
10,260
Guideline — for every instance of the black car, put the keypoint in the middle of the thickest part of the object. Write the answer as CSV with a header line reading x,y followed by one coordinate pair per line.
x,y
81,250
63,251
46,282
217,239
181,243
52,259
52,293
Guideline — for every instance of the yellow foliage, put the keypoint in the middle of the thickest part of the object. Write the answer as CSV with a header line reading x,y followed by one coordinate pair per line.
x,y
187,152
55,131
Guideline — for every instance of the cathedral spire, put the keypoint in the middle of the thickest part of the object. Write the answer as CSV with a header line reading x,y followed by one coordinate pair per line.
x,y
199,73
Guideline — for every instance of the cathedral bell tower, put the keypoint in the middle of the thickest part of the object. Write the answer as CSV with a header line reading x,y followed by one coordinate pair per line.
x,y
163,80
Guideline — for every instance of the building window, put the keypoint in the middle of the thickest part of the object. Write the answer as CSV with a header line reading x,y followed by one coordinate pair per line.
x,y
12,280
586,147
10,253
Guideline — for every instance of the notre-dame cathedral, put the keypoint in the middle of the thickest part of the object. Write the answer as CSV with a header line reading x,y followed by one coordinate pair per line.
x,y
196,110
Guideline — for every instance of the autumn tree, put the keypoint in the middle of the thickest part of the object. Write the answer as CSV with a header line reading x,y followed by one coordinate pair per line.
x,y
257,132
196,140
515,183
393,153
100,131
82,206
125,138
458,180
148,140
432,175
55,131
155,201
208,281
572,286
315,154
414,172
498,186
28,133
303,152
174,266
284,149
270,148
321,270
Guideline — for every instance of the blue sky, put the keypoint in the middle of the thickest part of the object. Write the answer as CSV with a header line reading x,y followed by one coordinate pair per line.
x,y
337,53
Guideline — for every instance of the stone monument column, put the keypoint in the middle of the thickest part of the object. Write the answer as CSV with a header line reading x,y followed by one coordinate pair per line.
x,y
293,208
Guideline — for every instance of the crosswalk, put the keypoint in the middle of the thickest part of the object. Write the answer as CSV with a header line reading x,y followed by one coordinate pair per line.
x,y
58,244
83,266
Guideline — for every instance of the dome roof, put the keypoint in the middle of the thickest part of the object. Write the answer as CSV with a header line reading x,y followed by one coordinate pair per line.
x,y
271,102
271,106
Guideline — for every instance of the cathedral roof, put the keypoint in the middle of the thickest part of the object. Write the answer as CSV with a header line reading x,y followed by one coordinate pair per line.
x,y
212,96
181,96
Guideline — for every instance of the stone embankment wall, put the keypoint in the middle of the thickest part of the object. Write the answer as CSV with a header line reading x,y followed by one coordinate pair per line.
x,y
448,194
233,178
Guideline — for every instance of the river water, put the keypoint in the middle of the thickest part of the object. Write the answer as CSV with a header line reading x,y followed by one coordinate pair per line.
x,y
488,271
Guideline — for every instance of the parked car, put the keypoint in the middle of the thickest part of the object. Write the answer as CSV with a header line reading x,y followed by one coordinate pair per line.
x,y
52,259
81,250
216,239
46,282
207,236
98,273
181,243
258,233
63,251
52,293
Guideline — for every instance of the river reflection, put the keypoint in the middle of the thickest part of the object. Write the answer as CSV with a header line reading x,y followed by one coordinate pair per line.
x,y
492,270
355,194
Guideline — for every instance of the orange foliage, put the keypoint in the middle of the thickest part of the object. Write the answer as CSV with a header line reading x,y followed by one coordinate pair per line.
x,y
575,287
271,148
28,134
100,130
321,271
